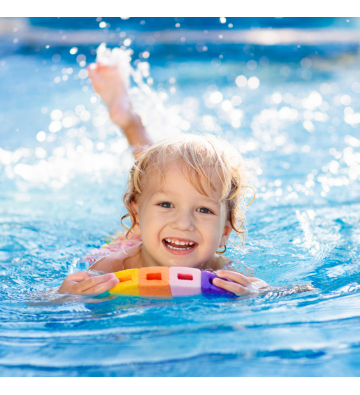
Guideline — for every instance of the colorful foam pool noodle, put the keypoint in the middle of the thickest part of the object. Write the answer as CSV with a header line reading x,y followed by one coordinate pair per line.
x,y
154,281
158,281
129,283
208,288
185,281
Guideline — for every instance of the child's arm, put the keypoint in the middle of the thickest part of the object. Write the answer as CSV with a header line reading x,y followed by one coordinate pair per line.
x,y
83,283
241,284
109,84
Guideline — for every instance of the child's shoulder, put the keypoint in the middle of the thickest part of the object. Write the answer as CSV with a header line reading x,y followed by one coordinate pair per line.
x,y
120,260
218,262
116,254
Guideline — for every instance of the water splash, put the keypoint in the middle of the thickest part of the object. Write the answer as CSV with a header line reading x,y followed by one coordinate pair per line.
x,y
63,201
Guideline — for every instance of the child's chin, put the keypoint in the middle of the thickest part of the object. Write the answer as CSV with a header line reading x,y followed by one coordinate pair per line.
x,y
182,263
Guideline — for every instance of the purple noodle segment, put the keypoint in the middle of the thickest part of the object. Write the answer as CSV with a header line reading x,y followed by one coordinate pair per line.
x,y
207,287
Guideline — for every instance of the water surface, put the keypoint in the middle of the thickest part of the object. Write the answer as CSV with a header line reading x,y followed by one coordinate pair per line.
x,y
61,192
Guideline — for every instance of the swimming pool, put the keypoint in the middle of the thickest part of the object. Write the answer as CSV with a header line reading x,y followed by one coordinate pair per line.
x,y
62,172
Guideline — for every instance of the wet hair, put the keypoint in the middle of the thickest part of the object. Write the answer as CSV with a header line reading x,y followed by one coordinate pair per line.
x,y
200,158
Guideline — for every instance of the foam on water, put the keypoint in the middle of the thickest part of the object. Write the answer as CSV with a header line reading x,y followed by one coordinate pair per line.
x,y
63,167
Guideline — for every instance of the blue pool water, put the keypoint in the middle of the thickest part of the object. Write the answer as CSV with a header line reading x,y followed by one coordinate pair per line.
x,y
60,196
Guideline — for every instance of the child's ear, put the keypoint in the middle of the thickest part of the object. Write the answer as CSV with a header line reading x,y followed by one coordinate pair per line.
x,y
136,228
226,234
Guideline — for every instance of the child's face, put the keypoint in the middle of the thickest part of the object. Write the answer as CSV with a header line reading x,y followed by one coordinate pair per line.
x,y
178,225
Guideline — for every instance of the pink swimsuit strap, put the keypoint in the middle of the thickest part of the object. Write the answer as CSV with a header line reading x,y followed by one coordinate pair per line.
x,y
118,242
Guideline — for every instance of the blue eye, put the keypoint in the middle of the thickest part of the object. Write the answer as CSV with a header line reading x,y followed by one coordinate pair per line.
x,y
166,205
204,210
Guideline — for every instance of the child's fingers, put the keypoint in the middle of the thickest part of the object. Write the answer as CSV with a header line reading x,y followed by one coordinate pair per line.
x,y
88,285
72,281
254,279
235,288
103,287
234,276
259,283
79,276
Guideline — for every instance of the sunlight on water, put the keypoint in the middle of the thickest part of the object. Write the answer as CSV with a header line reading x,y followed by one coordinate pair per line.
x,y
63,166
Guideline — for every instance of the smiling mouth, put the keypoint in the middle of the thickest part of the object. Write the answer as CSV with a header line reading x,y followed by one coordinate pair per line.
x,y
177,245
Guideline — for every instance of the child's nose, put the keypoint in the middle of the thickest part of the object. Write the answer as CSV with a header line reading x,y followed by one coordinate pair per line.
x,y
184,221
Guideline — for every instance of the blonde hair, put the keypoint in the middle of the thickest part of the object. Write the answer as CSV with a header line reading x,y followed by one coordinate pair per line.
x,y
203,156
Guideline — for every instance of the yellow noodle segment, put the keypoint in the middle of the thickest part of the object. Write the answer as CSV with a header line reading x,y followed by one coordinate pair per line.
x,y
129,283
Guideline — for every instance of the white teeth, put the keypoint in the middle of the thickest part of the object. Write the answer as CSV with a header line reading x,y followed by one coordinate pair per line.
x,y
180,249
182,243
174,248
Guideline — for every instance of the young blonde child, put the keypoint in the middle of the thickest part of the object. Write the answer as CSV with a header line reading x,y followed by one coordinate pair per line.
x,y
185,195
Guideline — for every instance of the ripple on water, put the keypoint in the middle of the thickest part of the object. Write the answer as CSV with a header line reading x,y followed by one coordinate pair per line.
x,y
62,180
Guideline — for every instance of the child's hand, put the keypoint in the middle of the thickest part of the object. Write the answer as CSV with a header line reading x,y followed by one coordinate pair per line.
x,y
109,84
242,285
82,283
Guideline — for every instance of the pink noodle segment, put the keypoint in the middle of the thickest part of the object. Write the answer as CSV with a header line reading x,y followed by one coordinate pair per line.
x,y
117,242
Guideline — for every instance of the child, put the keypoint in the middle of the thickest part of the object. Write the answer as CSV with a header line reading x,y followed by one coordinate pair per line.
x,y
185,195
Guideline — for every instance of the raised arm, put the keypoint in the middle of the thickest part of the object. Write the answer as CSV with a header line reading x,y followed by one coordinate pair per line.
x,y
109,84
